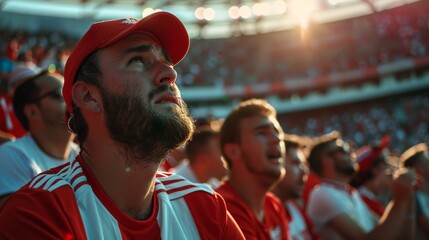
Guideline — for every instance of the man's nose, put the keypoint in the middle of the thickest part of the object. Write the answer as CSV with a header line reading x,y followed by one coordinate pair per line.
x,y
166,75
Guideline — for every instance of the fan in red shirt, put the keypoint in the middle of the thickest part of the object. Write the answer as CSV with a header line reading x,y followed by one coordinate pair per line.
x,y
289,190
127,113
252,145
9,123
374,175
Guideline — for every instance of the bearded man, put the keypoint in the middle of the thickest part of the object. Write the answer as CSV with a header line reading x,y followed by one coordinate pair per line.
x,y
126,110
338,211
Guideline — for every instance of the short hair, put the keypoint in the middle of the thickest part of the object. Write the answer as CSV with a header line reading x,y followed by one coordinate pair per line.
x,y
319,148
412,155
24,94
198,143
89,72
230,130
293,141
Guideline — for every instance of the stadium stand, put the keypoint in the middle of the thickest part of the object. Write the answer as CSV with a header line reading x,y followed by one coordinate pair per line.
x,y
365,69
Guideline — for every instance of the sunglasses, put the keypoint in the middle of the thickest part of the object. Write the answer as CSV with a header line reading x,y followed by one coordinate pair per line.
x,y
55,94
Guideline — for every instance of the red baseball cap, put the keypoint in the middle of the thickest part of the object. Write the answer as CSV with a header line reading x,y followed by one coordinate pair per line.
x,y
166,28
367,154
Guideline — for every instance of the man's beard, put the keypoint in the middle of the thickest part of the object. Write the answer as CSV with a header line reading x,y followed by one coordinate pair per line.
x,y
145,134
271,175
345,169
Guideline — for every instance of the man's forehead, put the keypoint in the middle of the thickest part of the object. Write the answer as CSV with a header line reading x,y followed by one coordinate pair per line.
x,y
50,79
261,121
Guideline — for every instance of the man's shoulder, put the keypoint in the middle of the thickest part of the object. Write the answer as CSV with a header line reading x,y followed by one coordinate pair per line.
x,y
271,197
230,195
328,190
176,186
47,201
226,190
273,202
54,178
69,176
20,144
47,188
325,195
22,148
236,205
15,153
274,206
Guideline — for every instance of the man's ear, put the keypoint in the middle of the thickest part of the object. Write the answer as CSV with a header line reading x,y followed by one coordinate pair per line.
x,y
30,111
232,151
87,96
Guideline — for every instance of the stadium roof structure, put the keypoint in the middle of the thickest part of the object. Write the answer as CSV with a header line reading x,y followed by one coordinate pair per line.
x,y
203,18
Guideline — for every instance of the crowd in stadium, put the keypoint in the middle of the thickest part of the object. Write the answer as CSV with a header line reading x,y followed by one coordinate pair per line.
x,y
357,43
401,117
351,44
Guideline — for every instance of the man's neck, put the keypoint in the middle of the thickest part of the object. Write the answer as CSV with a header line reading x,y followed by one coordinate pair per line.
x,y
200,172
340,183
373,187
337,178
251,192
128,184
54,144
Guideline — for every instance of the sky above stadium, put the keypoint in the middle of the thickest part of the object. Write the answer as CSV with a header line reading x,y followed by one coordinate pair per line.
x,y
218,15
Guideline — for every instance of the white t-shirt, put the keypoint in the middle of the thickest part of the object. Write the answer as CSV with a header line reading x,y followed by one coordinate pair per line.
x,y
328,201
22,159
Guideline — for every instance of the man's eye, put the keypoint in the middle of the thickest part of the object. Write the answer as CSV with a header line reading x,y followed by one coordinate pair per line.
x,y
261,133
138,60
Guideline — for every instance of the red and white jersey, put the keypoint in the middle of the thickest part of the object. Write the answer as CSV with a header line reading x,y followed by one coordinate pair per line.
x,y
67,202
275,222
371,201
298,222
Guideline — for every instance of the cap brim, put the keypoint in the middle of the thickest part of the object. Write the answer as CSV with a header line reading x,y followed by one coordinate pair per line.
x,y
168,30
37,74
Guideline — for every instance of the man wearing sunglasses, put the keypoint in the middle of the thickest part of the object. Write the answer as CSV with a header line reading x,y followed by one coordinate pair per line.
x,y
337,209
39,105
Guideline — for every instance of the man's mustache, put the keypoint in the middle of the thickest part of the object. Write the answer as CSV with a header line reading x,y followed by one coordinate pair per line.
x,y
163,88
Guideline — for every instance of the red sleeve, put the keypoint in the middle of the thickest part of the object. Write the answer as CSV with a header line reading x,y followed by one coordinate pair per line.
x,y
232,230
40,214
211,217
